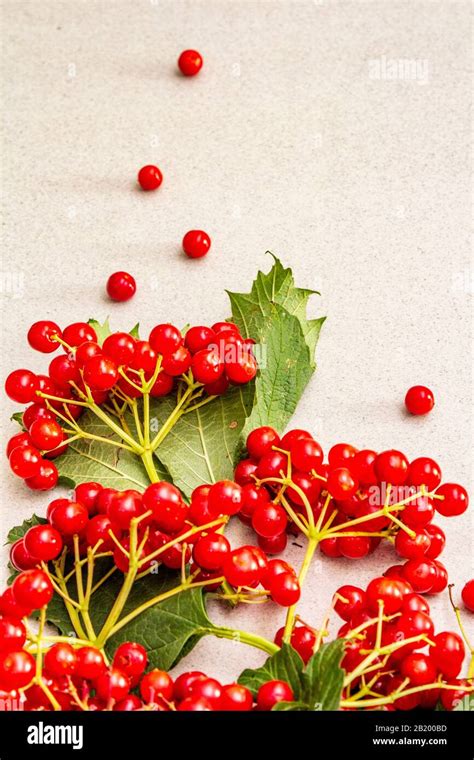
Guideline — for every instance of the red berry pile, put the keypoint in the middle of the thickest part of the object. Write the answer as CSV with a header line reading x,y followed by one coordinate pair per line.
x,y
88,375
349,502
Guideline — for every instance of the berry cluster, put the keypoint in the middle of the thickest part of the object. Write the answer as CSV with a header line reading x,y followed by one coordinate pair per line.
x,y
349,502
91,376
393,657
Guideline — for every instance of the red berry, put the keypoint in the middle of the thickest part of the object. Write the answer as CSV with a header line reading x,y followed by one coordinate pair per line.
x,y
43,542
285,589
90,663
165,339
16,670
273,464
236,697
162,386
424,472
341,454
242,370
275,545
199,337
468,595
21,386
207,366
100,373
196,243
447,652
261,440
46,478
274,567
353,547
441,579
421,574
241,567
149,177
190,63
418,513
208,689
144,357
70,518
35,413
349,600
391,467
412,548
120,347
20,558
12,634
340,483
178,362
306,454
453,697
272,692
362,466
419,400
63,370
225,498
269,520
60,660
113,684
303,639
98,529
330,547
167,505
25,461
437,541
385,590
86,494
79,332
195,704
32,589
121,286
415,603
124,507
41,336
130,703
131,658
210,551
156,687
182,685
245,471
311,487
455,500
46,434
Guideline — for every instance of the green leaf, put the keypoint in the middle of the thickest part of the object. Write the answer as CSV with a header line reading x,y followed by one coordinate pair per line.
x,y
135,331
103,330
289,707
323,677
107,464
285,665
202,446
17,417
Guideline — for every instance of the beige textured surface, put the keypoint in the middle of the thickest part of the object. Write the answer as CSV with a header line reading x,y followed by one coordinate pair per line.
x,y
287,142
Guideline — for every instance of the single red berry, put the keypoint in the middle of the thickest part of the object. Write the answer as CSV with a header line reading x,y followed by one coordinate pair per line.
x,y
150,177
90,663
124,507
190,63
437,541
167,505
46,435
468,595
41,336
415,603
306,454
120,347
455,500
386,591
273,464
418,513
419,400
341,484
10,607
362,466
45,479
207,365
311,488
12,634
210,551
225,498
242,370
236,698
130,703
424,472
245,472
353,547
269,520
275,545
178,362
156,687
272,692
199,337
182,685
70,518
162,386
341,454
21,386
241,567
121,286
60,660
20,558
79,332
32,589
208,689
441,578
447,652
43,542
25,461
98,529
131,658
261,440
412,548
16,670
86,494
349,600
165,339
391,467
285,589
330,547
196,243
421,574
100,373
195,704
113,684
63,370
